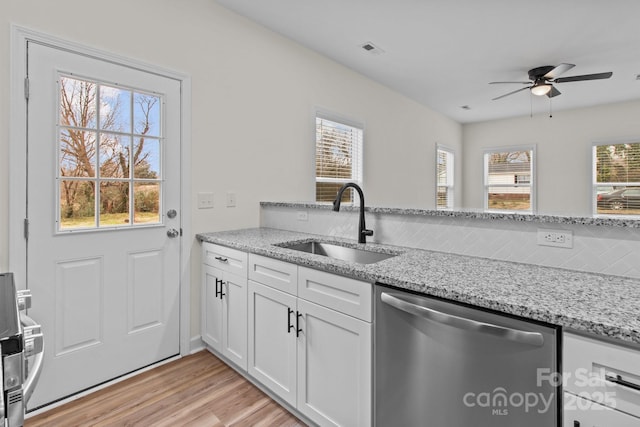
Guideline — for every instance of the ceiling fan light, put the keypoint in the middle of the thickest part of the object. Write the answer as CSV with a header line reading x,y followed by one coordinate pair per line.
x,y
541,89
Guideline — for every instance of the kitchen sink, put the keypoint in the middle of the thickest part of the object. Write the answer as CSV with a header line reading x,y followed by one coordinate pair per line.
x,y
344,253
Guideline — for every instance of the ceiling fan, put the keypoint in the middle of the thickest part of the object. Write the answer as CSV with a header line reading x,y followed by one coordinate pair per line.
x,y
541,80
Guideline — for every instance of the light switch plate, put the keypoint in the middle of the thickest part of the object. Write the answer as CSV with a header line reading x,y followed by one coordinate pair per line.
x,y
231,199
205,200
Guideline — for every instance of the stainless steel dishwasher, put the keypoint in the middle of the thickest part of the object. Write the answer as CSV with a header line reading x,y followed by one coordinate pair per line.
x,y
444,364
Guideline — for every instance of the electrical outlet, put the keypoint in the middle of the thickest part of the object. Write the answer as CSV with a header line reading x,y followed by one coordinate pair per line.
x,y
205,200
557,238
302,216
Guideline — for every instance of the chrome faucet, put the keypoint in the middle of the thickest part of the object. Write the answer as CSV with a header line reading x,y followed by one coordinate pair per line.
x,y
362,230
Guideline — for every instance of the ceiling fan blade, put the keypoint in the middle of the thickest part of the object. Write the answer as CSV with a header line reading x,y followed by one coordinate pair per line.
x,y
511,93
553,92
499,83
560,69
596,76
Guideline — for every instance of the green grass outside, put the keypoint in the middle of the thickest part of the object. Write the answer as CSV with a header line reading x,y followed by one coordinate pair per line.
x,y
109,220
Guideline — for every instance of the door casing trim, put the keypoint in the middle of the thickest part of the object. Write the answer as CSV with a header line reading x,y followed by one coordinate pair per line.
x,y
18,157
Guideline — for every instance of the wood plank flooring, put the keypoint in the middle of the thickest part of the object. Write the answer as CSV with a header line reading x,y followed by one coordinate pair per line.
x,y
196,391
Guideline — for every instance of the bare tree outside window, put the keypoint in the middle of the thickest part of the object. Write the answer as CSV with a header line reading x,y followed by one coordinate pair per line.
x,y
109,155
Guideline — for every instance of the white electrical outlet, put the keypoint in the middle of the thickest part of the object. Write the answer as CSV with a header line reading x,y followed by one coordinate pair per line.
x,y
302,216
557,238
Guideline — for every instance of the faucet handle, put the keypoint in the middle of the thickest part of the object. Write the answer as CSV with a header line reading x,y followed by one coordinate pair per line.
x,y
367,232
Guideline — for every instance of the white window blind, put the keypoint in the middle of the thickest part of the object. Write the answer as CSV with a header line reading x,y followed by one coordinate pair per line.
x,y
338,157
616,183
508,179
444,179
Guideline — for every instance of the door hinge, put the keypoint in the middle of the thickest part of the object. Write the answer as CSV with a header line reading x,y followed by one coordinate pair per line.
x,y
26,88
180,232
26,229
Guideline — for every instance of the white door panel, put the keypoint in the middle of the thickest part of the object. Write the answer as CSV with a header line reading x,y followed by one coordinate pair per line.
x,y
108,299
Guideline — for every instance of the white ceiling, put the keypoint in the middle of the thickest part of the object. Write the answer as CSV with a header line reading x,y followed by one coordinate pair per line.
x,y
443,53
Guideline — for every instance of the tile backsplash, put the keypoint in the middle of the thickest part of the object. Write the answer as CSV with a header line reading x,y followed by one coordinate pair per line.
x,y
596,248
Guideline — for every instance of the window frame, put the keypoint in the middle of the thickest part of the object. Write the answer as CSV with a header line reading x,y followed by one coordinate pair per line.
x,y
594,176
98,179
450,177
532,184
357,152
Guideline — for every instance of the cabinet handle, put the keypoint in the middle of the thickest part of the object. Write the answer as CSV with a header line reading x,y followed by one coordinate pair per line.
x,y
617,379
221,259
298,329
289,325
219,293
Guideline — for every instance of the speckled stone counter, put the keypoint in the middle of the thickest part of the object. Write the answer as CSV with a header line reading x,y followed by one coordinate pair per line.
x,y
471,214
608,306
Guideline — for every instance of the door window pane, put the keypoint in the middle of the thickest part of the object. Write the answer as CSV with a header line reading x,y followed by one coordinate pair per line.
x,y
147,202
115,109
114,155
146,114
109,138
77,204
77,155
146,158
114,203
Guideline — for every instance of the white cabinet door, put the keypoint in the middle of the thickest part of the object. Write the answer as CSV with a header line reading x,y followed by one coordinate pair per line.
x,y
272,340
334,367
224,314
211,307
234,319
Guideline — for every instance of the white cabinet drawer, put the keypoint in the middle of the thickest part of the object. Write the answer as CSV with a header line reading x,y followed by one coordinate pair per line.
x,y
342,294
585,413
225,259
271,272
586,365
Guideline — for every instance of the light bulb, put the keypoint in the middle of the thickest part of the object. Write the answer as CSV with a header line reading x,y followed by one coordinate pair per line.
x,y
541,89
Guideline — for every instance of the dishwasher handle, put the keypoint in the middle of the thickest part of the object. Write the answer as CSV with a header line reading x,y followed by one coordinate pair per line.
x,y
405,304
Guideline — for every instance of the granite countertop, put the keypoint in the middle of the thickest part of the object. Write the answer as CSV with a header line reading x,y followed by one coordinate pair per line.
x,y
607,306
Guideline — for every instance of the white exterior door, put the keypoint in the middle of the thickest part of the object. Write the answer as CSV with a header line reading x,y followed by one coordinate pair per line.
x,y
103,207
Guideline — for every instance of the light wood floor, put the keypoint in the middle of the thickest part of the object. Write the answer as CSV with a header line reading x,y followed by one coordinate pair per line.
x,y
197,390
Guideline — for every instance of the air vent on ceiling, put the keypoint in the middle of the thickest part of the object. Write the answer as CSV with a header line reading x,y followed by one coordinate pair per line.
x,y
372,48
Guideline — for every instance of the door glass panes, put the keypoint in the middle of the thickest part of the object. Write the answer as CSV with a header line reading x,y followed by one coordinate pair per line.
x,y
109,139
147,202
508,178
616,186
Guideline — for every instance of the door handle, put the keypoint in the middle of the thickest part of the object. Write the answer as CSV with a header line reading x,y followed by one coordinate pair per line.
x,y
172,233
406,304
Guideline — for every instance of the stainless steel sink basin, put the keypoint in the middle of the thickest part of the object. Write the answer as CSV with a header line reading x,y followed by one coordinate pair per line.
x,y
344,253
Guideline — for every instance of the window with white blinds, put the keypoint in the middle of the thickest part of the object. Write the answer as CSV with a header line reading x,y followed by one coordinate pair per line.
x,y
444,178
338,158
616,179
508,179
